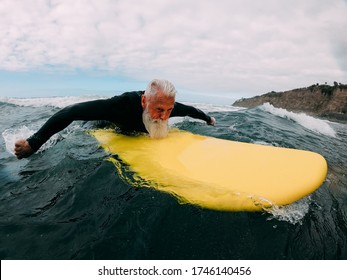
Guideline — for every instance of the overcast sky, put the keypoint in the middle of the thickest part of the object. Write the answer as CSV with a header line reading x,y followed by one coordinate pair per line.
x,y
216,48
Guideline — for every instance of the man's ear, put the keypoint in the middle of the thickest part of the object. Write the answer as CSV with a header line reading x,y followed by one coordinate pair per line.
x,y
143,101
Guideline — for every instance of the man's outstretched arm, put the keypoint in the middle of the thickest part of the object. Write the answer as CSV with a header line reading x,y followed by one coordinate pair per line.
x,y
182,110
92,110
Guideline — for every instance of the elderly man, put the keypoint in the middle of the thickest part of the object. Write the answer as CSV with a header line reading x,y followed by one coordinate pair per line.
x,y
139,111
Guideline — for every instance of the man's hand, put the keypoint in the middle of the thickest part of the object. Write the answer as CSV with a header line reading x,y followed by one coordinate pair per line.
x,y
212,121
22,149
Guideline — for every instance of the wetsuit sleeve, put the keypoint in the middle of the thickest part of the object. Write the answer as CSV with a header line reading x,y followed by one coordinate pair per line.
x,y
182,110
92,110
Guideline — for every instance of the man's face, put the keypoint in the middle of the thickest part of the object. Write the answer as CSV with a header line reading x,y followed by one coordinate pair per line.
x,y
159,106
156,113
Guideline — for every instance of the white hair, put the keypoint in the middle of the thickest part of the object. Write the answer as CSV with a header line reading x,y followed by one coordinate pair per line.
x,y
164,86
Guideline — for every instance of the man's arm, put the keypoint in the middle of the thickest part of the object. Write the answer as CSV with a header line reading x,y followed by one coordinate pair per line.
x,y
182,110
92,110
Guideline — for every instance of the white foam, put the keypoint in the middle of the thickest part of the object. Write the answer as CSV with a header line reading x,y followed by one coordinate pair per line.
x,y
213,107
292,213
176,120
311,123
262,143
58,102
13,134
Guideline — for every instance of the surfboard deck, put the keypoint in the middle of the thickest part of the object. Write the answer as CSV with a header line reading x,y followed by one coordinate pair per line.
x,y
215,173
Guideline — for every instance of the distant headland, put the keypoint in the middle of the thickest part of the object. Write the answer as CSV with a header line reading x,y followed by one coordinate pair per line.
x,y
324,101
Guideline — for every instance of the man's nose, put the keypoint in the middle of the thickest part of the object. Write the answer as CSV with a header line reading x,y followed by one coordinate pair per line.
x,y
164,116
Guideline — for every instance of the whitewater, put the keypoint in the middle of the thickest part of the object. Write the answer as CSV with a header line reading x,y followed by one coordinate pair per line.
x,y
68,202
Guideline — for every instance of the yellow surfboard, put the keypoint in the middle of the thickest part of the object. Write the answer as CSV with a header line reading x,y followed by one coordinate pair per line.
x,y
214,173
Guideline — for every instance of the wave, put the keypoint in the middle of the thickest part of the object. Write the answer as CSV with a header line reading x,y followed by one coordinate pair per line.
x,y
311,123
59,102
213,107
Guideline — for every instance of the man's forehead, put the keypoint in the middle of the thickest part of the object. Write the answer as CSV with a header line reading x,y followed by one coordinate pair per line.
x,y
161,97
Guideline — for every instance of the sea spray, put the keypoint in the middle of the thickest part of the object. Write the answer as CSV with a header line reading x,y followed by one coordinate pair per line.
x,y
292,213
13,134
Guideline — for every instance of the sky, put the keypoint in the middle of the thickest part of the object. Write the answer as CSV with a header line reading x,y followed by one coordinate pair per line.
x,y
214,50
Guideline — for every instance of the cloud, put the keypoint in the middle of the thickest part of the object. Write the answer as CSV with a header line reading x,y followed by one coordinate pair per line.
x,y
217,46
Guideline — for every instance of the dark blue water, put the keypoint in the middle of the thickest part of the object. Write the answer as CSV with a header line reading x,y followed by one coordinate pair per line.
x,y
68,202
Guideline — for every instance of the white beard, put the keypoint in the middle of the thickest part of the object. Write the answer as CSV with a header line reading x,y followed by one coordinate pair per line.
x,y
156,128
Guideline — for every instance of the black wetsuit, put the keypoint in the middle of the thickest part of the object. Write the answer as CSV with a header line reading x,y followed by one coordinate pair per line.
x,y
125,111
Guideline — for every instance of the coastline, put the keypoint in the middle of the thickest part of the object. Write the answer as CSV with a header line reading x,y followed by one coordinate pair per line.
x,y
323,101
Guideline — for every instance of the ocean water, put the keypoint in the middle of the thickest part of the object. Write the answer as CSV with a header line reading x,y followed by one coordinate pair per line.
x,y
68,202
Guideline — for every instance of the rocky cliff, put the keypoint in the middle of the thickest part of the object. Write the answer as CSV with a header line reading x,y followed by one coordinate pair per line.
x,y
319,100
